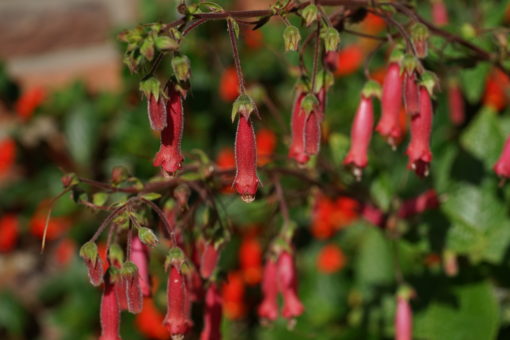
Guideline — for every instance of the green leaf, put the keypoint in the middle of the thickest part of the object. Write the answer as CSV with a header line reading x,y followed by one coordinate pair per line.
x,y
99,198
382,191
473,81
472,313
374,264
484,137
339,146
151,196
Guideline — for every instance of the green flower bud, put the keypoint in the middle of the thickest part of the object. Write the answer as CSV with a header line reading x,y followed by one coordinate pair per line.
x,y
310,14
147,237
291,38
181,67
331,39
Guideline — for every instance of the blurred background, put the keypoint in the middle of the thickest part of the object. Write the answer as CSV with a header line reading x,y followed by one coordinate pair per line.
x,y
67,104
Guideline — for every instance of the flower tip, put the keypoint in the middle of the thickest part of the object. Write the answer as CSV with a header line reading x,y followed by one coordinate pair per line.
x,y
248,198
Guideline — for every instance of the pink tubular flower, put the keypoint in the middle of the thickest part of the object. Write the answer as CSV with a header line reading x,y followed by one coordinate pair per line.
x,y
391,102
502,167
110,313
372,214
361,133
421,125
268,309
456,103
177,319
246,180
213,313
134,292
313,133
403,319
208,260
427,200
169,156
297,125
439,13
287,279
157,112
411,94
140,257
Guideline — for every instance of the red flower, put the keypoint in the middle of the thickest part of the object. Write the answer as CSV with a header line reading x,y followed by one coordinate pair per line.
x,y
361,133
268,309
373,24
29,101
287,280
177,319
372,214
253,39
421,125
226,159
7,155
212,315
331,259
411,94
139,255
250,258
502,166
233,296
298,121
209,259
455,103
65,251
391,103
495,90
427,200
150,321
350,59
313,133
169,156
439,13
246,180
110,313
266,145
229,85
329,215
157,110
9,232
403,319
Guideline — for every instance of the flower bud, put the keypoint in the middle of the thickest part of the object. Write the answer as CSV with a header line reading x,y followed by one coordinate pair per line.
x,y
418,150
420,34
287,279
456,103
147,237
297,125
169,156
133,290
139,255
110,313
310,13
361,131
391,103
403,316
268,309
243,105
156,107
291,38
439,13
426,201
177,320
209,259
246,180
212,315
69,180
331,39
312,129
181,67
502,166
89,254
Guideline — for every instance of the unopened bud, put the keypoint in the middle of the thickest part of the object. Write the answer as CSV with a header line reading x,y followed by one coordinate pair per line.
x,y
147,237
291,38
181,67
331,39
310,14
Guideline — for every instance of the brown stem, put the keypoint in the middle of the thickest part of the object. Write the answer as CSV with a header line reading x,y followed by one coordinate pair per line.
x,y
235,53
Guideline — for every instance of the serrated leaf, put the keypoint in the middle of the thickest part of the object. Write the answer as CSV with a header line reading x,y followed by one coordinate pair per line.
x,y
484,138
472,313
